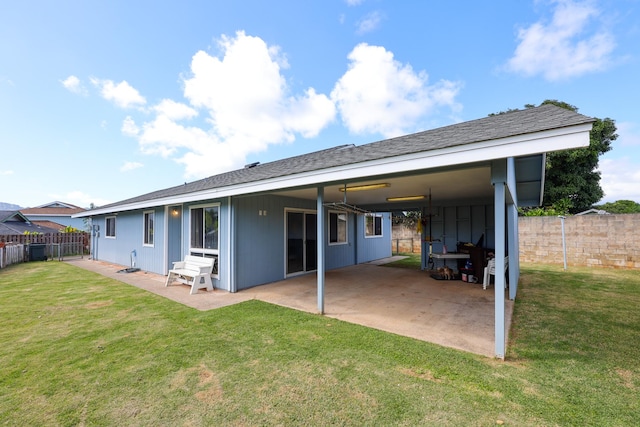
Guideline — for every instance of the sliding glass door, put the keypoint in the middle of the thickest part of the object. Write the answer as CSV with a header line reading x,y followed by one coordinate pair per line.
x,y
301,243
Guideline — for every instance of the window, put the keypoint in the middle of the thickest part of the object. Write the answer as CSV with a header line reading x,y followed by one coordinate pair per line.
x,y
205,233
110,227
373,225
148,228
337,228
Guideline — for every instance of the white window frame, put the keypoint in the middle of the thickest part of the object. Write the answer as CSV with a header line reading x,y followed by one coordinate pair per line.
x,y
204,252
106,227
346,228
146,239
367,235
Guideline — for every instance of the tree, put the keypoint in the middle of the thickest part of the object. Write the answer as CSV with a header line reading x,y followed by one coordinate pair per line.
x,y
621,207
408,219
572,174
572,181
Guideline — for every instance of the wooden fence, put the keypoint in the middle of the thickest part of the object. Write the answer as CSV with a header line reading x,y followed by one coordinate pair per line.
x,y
57,246
11,254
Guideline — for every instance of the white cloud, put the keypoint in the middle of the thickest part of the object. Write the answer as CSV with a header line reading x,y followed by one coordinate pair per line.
x,y
129,127
628,134
380,95
6,172
354,2
248,104
122,94
239,103
129,166
370,22
73,84
569,45
620,179
175,110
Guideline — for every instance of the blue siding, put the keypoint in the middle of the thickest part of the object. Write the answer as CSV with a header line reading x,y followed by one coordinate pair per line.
x,y
372,248
342,255
175,236
129,238
259,246
479,222
463,224
260,239
454,224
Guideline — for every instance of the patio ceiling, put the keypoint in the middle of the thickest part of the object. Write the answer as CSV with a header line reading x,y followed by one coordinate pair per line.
x,y
468,183
445,186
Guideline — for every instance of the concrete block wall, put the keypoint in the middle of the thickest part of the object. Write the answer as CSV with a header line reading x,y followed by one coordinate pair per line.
x,y
592,240
405,240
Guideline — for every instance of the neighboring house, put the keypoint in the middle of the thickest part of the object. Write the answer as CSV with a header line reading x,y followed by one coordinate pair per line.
x,y
330,208
14,223
56,212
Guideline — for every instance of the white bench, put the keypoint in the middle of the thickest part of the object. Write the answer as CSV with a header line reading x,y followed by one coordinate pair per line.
x,y
194,271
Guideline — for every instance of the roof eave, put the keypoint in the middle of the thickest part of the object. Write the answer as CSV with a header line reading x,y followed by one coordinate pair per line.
x,y
557,139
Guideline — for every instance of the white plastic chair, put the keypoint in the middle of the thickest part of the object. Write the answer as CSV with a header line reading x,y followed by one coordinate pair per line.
x,y
490,269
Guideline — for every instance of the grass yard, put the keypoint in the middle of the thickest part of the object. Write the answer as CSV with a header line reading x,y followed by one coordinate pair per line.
x,y
412,261
77,348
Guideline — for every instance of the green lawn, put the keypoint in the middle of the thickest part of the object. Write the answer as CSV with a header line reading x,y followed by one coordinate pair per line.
x,y
412,261
77,348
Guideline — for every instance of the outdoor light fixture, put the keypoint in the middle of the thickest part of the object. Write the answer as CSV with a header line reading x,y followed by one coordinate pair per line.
x,y
365,187
404,198
174,212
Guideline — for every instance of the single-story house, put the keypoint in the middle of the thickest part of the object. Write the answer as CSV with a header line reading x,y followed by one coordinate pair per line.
x,y
330,208
56,212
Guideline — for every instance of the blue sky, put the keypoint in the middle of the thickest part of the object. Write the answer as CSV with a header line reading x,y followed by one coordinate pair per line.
x,y
102,101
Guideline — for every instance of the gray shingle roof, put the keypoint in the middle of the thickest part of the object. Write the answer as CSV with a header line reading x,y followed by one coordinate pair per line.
x,y
12,216
14,223
514,123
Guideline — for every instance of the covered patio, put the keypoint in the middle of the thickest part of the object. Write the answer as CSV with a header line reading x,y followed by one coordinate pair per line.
x,y
402,301
398,300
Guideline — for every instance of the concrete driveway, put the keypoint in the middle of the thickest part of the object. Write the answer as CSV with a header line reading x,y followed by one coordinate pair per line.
x,y
402,301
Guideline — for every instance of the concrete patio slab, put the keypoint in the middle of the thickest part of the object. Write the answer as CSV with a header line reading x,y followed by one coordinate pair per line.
x,y
402,301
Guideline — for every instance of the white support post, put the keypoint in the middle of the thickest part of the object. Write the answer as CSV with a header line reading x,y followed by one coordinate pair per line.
x,y
231,238
320,242
500,240
514,251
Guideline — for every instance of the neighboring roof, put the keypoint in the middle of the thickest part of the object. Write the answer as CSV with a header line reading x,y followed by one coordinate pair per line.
x,y
522,122
12,216
13,222
57,204
53,209
49,224
593,211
